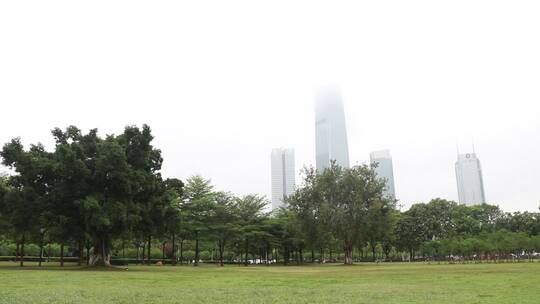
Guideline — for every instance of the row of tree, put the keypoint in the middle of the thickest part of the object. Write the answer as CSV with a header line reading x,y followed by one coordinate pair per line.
x,y
495,246
94,195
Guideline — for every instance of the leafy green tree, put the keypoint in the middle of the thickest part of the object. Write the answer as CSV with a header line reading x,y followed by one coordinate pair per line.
x,y
303,203
198,207
249,210
172,219
224,223
25,200
344,199
124,180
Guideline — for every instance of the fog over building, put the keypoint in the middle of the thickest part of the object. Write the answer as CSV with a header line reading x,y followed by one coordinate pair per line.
x,y
330,129
384,169
283,176
469,180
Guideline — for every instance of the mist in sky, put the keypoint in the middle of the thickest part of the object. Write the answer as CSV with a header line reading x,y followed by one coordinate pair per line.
x,y
221,83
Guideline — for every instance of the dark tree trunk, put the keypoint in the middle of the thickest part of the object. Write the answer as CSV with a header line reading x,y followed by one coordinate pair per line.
x,y
301,256
87,255
81,252
22,251
173,249
62,255
102,252
268,250
348,254
373,248
143,258
246,253
149,255
221,245
196,249
40,251
181,251
163,250
18,252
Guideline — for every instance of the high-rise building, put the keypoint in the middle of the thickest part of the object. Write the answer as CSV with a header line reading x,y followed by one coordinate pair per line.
x,y
283,176
469,180
385,170
330,129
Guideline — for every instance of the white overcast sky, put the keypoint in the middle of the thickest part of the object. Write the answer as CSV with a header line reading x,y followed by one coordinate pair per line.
x,y
223,82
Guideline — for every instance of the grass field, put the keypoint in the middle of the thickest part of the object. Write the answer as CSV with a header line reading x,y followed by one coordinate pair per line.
x,y
364,283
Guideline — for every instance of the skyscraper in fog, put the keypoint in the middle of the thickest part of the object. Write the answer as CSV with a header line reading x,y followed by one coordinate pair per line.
x,y
330,130
469,180
283,176
384,170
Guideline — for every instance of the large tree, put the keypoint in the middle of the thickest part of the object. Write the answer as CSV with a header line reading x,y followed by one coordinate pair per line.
x,y
343,198
125,184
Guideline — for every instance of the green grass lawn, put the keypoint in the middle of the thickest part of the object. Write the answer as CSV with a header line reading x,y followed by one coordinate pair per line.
x,y
364,283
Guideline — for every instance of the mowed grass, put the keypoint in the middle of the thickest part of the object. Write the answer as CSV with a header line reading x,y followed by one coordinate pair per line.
x,y
363,283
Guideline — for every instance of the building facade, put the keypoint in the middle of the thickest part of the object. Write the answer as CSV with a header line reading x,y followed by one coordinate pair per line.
x,y
283,176
469,179
384,170
330,129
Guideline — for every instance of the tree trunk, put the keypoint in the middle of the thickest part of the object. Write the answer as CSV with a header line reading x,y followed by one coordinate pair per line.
x,y
173,249
163,250
87,255
102,253
266,255
246,253
149,256
22,252
196,249
348,254
221,245
373,248
40,251
17,251
181,251
62,255
81,253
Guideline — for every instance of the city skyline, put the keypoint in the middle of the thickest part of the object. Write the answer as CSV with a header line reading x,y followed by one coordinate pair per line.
x,y
219,95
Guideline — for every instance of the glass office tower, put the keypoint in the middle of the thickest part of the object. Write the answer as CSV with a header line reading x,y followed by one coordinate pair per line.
x,y
470,183
385,170
283,176
330,129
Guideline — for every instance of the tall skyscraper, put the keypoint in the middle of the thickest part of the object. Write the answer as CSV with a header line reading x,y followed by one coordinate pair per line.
x,y
330,130
283,176
384,170
469,180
